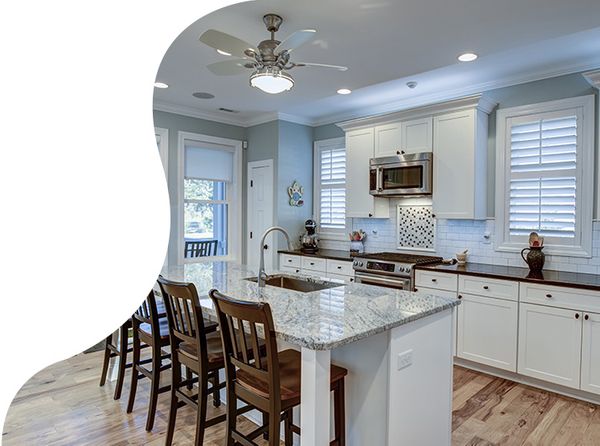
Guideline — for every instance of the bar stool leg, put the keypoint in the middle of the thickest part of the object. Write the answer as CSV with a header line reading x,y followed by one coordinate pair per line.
x,y
175,382
123,332
289,414
201,414
156,365
134,369
106,362
339,413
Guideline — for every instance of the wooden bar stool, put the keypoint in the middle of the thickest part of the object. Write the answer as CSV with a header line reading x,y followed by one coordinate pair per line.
x,y
271,383
196,347
112,350
149,330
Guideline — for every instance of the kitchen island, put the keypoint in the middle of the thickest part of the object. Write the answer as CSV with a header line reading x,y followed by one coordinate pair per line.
x,y
397,346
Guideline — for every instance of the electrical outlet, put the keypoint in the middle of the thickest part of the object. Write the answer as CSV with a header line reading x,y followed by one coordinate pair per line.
x,y
487,238
404,359
374,233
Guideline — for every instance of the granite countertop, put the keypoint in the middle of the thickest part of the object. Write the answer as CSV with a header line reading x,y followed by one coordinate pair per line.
x,y
324,253
319,320
557,278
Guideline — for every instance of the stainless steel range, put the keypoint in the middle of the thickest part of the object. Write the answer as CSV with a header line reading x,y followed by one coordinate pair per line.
x,y
389,269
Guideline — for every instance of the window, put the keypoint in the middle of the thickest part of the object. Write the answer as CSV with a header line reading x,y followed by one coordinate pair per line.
x,y
210,197
545,175
330,187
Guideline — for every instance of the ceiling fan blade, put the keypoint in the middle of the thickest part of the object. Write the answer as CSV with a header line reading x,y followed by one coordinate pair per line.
x,y
225,43
229,67
295,40
320,65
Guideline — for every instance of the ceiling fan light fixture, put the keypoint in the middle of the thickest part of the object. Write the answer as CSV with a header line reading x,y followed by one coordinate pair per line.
x,y
271,80
160,85
467,57
223,53
344,91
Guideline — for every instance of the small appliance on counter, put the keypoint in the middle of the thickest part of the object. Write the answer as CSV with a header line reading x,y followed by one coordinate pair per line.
x,y
310,240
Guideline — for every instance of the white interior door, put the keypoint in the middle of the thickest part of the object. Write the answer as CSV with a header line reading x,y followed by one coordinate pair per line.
x,y
260,212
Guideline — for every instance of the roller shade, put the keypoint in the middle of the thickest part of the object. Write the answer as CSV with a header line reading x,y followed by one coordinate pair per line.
x,y
208,163
543,182
332,210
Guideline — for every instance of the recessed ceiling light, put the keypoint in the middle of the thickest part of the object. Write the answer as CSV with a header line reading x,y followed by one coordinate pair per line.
x,y
223,53
203,95
411,84
344,91
160,85
467,57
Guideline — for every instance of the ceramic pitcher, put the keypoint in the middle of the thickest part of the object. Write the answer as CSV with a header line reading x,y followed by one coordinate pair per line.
x,y
535,258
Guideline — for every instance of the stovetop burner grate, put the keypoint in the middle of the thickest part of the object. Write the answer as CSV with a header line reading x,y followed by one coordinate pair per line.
x,y
401,258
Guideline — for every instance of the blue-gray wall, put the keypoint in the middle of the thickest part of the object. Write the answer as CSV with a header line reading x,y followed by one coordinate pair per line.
x,y
327,131
178,123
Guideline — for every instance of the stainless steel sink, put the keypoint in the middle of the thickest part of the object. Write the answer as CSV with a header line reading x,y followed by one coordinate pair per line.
x,y
304,285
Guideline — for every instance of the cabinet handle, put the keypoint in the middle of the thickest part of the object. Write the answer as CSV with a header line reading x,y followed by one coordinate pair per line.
x,y
339,267
290,260
351,279
434,280
586,317
370,215
460,296
311,263
576,315
549,296
485,287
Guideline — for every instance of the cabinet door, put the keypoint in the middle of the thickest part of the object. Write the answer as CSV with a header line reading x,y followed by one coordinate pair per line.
x,y
487,331
417,135
453,165
590,357
388,139
550,344
359,203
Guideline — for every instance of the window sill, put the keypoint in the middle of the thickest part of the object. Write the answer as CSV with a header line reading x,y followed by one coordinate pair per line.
x,y
553,250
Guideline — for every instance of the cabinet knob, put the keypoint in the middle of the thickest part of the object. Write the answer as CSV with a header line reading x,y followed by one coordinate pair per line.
x,y
370,215
400,152
485,287
586,317
576,315
416,289
460,296
351,279
339,267
549,296
290,260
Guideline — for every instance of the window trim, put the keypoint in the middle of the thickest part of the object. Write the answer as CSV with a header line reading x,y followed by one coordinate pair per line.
x,y
325,144
234,230
585,173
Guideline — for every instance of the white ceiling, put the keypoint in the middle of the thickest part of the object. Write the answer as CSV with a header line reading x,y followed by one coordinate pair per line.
x,y
384,44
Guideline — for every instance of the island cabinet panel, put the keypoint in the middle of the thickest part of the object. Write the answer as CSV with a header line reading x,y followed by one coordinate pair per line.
x,y
482,286
417,135
449,294
590,355
360,148
459,165
487,331
388,139
438,281
550,344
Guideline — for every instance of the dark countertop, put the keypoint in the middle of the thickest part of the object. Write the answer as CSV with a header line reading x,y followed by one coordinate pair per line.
x,y
323,253
556,278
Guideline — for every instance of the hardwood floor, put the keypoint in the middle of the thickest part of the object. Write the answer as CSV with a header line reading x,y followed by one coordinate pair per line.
x,y
63,405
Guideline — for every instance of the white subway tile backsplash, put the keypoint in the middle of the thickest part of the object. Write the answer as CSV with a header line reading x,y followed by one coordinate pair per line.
x,y
454,236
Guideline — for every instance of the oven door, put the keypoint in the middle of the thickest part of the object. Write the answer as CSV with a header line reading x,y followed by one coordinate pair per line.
x,y
399,283
406,178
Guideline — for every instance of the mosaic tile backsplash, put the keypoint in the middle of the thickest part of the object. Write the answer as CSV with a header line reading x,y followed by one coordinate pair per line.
x,y
416,228
454,236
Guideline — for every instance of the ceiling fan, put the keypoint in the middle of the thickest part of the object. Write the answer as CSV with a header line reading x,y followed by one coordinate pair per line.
x,y
269,60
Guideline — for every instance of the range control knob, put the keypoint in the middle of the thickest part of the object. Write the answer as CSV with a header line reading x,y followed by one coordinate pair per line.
x,y
360,263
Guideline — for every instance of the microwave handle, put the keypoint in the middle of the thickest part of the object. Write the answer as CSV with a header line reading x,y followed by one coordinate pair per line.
x,y
379,179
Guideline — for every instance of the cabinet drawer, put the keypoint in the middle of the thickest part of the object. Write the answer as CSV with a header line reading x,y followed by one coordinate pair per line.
x,y
314,264
481,286
290,260
340,267
561,297
290,269
433,279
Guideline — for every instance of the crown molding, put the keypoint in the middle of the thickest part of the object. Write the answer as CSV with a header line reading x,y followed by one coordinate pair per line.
x,y
593,77
448,95
468,102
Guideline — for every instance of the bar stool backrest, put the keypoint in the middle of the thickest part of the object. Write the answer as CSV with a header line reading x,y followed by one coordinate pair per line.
x,y
240,322
184,315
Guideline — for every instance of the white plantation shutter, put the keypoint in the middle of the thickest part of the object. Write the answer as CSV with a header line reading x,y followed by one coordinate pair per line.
x,y
332,182
543,177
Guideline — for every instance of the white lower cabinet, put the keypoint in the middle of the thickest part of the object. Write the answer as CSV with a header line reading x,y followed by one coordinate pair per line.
x,y
487,331
590,354
290,269
550,344
325,269
449,294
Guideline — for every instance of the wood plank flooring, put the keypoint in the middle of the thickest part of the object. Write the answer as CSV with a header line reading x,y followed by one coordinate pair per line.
x,y
63,405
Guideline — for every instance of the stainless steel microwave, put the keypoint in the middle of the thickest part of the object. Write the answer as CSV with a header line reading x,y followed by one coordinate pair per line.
x,y
394,176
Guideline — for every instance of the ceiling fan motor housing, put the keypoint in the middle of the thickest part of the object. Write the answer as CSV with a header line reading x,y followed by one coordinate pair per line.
x,y
273,22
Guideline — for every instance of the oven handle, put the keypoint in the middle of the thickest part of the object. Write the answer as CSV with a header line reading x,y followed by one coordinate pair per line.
x,y
381,280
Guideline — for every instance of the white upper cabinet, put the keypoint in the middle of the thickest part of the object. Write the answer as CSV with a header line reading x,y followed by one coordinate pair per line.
x,y
417,135
410,136
360,148
460,165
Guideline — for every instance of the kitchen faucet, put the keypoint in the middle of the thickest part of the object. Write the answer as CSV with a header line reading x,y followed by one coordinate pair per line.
x,y
262,275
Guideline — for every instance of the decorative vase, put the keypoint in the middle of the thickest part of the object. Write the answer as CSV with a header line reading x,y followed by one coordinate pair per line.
x,y
357,246
535,258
